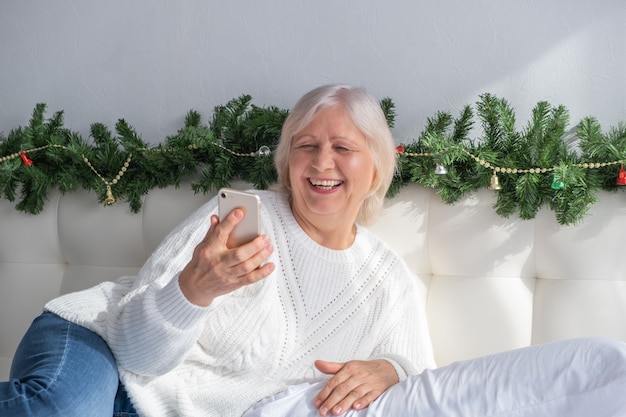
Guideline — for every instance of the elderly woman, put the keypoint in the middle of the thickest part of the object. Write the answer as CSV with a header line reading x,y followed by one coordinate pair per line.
x,y
316,316
209,330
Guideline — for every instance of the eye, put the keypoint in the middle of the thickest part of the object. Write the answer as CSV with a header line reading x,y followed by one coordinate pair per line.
x,y
341,148
306,146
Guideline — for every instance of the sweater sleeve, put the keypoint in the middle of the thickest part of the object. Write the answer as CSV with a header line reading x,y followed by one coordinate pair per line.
x,y
406,342
152,327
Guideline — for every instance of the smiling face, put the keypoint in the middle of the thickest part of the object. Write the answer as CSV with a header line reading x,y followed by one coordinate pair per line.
x,y
331,172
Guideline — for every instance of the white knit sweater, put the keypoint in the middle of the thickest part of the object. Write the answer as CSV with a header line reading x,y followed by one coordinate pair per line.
x,y
178,359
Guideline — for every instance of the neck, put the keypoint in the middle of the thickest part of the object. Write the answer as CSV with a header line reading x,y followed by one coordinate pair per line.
x,y
337,235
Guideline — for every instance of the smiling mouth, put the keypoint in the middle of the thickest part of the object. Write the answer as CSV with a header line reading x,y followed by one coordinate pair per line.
x,y
325,185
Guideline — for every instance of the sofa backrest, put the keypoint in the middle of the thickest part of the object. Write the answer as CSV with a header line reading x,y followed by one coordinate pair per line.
x,y
489,283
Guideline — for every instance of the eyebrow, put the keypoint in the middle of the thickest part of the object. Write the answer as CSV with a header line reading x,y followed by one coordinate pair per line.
x,y
332,138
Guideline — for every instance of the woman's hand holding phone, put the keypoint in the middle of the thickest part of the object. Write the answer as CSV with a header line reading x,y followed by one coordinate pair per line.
x,y
218,266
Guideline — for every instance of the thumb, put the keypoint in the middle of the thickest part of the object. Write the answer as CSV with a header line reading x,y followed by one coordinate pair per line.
x,y
328,367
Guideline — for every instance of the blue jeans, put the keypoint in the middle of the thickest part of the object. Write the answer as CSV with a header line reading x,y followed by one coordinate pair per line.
x,y
62,369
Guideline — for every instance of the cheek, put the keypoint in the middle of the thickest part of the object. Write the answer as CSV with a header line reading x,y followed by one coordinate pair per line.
x,y
363,167
295,167
370,180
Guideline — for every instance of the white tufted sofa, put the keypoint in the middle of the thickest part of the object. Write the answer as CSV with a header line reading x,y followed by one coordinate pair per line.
x,y
490,283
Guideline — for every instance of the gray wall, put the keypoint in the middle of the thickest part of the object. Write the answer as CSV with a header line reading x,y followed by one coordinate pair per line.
x,y
150,61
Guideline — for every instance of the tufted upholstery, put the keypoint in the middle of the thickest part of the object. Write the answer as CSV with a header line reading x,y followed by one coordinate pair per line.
x,y
489,283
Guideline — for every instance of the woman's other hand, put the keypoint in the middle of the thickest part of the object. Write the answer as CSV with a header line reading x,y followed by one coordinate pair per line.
x,y
215,269
354,384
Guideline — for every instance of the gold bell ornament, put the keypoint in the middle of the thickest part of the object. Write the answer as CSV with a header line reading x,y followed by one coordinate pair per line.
x,y
495,183
109,199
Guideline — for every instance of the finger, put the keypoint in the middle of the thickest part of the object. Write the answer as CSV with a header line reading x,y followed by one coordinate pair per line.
x,y
220,230
214,221
227,225
342,397
246,261
258,274
328,367
250,255
355,385
327,398
366,400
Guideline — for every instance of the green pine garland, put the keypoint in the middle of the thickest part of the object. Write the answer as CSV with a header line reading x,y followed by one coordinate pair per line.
x,y
542,164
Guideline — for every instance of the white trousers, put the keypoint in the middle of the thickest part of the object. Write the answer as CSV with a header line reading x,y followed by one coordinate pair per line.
x,y
580,377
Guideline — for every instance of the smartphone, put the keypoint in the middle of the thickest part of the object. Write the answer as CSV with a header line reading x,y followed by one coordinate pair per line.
x,y
250,226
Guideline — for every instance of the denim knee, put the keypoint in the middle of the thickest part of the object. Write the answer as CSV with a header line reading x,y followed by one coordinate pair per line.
x,y
60,368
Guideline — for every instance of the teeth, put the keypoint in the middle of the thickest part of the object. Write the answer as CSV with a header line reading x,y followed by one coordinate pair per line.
x,y
326,184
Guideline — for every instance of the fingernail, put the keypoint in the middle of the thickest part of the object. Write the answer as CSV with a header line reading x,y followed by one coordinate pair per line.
x,y
337,410
238,214
323,411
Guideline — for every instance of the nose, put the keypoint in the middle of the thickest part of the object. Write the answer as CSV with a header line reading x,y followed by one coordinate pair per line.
x,y
324,159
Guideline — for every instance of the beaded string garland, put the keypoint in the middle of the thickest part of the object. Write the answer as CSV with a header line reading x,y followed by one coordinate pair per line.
x,y
495,182
265,151
110,198
443,157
